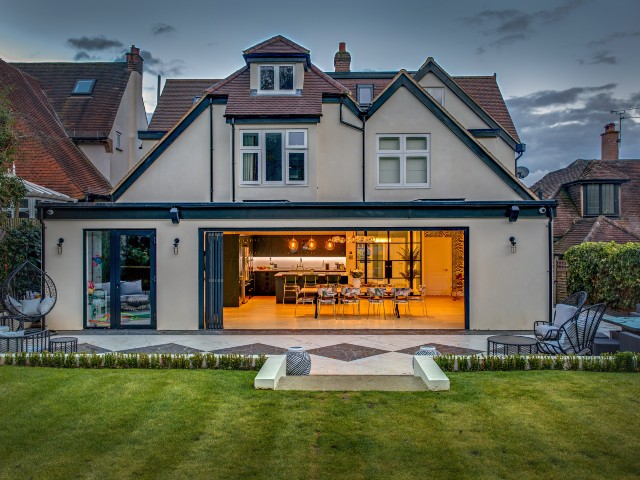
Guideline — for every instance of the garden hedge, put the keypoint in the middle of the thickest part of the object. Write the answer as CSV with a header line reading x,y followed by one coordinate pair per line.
x,y
608,272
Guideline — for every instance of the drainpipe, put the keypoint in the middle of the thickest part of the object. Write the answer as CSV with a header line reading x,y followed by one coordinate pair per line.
x,y
550,233
520,149
210,149
42,250
360,129
233,160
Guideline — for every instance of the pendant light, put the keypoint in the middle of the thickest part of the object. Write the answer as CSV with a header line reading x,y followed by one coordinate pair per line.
x,y
293,245
312,244
329,245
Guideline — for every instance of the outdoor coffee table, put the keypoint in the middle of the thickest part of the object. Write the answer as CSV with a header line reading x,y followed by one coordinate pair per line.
x,y
511,345
63,344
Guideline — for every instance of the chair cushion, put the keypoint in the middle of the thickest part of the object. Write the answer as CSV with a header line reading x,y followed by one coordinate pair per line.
x,y
543,330
30,307
18,333
131,288
137,300
563,313
46,305
15,303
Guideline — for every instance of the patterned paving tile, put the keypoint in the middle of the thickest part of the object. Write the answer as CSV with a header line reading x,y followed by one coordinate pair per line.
x,y
442,349
88,348
346,352
253,349
164,348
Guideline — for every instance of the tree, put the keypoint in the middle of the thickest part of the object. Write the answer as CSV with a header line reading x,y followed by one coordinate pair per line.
x,y
12,190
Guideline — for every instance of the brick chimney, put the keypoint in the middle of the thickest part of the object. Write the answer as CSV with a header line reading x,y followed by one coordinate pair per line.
x,y
134,60
610,142
342,59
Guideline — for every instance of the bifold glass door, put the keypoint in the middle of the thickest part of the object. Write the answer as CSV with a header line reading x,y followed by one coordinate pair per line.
x,y
120,279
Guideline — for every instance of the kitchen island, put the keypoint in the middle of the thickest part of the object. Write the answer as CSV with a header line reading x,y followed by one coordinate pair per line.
x,y
320,275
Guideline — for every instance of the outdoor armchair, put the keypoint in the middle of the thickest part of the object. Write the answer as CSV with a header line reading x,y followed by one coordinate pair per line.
x,y
564,311
575,336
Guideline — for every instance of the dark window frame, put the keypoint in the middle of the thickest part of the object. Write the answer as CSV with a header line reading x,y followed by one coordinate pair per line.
x,y
88,91
616,200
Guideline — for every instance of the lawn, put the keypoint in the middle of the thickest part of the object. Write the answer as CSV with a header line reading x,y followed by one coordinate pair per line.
x,y
192,424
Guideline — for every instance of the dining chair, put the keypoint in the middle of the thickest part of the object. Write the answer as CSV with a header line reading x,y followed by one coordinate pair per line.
x,y
375,297
290,285
303,297
401,297
350,296
421,298
327,296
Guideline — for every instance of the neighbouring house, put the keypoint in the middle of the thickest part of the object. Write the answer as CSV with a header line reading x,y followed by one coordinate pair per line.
x,y
46,159
282,177
598,200
100,106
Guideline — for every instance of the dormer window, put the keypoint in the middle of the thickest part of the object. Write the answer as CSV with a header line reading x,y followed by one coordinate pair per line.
x,y
83,87
276,79
364,94
601,199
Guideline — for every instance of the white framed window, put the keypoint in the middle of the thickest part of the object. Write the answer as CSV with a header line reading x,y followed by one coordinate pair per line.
x,y
119,141
276,79
273,157
437,93
403,160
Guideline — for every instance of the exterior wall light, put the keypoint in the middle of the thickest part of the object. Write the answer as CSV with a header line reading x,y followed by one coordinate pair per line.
x,y
176,241
513,213
513,242
60,242
174,215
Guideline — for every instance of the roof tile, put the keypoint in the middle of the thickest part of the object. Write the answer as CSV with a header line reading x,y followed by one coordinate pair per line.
x,y
176,99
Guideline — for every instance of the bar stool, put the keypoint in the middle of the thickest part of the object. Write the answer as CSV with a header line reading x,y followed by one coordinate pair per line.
x,y
310,280
290,285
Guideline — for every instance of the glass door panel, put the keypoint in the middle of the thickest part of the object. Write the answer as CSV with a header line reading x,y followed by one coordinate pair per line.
x,y
134,279
98,271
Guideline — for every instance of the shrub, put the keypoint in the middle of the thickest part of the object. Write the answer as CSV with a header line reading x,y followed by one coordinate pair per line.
x,y
608,272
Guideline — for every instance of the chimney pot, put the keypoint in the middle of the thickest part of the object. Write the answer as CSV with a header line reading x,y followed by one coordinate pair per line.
x,y
342,59
134,60
610,142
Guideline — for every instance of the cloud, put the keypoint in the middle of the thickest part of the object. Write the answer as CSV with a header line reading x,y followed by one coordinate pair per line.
x,y
601,57
157,66
162,28
612,37
509,26
560,126
93,44
82,55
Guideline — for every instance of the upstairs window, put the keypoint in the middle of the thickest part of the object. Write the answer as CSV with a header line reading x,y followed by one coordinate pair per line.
x,y
83,87
403,160
274,157
601,199
276,79
437,93
365,94
119,141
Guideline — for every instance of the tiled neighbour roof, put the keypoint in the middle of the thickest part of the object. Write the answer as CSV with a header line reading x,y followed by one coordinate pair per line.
x,y
598,229
45,154
486,93
570,226
82,115
277,44
379,84
309,103
176,99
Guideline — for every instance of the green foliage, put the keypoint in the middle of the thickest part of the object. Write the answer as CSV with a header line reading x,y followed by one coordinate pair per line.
x,y
608,272
12,190
21,242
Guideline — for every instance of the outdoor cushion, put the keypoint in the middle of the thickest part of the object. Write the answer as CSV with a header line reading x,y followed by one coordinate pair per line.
x,y
563,313
138,300
131,288
19,333
103,286
15,303
543,330
46,305
30,307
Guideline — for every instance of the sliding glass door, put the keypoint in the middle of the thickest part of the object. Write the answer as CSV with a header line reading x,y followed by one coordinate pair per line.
x,y
120,279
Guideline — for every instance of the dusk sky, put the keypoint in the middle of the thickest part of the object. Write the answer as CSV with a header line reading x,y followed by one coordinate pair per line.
x,y
562,66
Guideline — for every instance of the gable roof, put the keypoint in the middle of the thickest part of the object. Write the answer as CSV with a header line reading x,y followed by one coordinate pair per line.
x,y
176,99
595,229
45,154
277,44
404,79
83,116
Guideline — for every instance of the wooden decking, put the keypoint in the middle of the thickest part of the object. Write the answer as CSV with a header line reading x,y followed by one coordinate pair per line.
x,y
262,313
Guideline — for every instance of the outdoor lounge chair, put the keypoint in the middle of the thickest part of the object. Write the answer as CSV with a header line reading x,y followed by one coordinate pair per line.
x,y
575,336
544,330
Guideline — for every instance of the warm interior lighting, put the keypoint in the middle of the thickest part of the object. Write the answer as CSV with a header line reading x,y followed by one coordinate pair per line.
x,y
311,244
329,245
293,245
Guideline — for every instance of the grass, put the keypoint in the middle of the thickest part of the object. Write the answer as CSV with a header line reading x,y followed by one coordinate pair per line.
x,y
103,424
